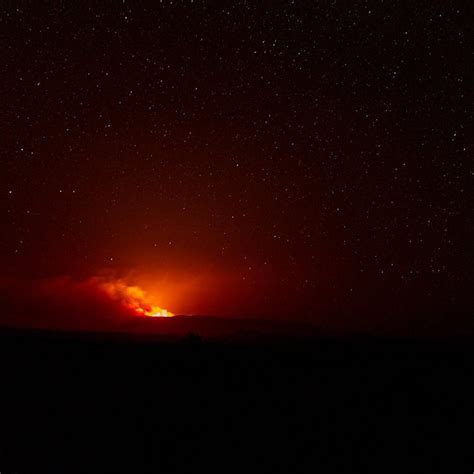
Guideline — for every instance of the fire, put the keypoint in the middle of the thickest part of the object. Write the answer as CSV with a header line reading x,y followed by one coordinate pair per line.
x,y
134,298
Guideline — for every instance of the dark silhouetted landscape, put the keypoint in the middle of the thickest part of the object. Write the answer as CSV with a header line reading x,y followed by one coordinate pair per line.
x,y
97,402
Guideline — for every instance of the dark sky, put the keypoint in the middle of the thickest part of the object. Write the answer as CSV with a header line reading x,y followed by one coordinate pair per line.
x,y
308,160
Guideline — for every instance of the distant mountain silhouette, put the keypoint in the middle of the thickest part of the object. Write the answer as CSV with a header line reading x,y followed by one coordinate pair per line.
x,y
178,327
220,327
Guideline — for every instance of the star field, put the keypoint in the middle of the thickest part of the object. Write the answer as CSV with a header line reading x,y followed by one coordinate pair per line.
x,y
310,159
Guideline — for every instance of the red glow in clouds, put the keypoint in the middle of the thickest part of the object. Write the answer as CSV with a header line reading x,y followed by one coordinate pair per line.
x,y
132,297
99,302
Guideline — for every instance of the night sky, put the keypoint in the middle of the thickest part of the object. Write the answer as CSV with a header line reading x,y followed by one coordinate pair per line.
x,y
296,160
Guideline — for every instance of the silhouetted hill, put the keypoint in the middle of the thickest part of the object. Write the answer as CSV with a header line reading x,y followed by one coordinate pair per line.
x,y
137,402
209,327
221,327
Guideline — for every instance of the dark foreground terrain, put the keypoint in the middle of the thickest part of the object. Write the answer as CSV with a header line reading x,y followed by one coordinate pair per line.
x,y
87,404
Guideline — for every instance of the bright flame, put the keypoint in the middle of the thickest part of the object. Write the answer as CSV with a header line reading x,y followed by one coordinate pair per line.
x,y
134,298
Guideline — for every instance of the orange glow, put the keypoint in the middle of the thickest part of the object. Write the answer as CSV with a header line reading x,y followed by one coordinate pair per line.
x,y
134,298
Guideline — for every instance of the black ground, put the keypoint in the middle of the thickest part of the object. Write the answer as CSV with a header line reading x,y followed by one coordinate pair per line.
x,y
90,404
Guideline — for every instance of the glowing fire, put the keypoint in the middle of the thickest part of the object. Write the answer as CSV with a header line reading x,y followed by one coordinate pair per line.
x,y
134,298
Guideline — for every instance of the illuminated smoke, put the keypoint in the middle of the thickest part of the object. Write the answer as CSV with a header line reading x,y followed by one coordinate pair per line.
x,y
132,297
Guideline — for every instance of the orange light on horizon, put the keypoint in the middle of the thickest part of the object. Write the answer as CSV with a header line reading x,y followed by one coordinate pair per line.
x,y
137,300
154,312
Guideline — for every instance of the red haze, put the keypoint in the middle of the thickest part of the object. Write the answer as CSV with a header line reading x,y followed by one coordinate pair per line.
x,y
61,303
